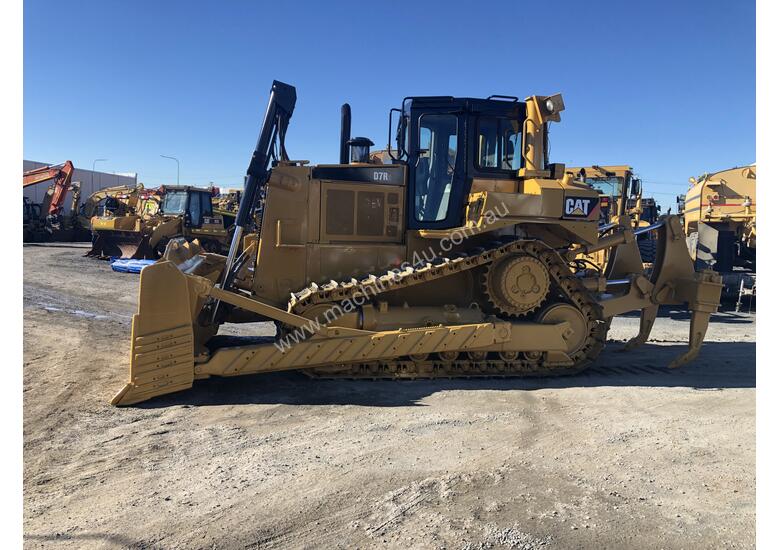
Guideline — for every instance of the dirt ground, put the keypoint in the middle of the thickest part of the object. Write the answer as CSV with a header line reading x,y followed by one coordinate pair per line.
x,y
627,454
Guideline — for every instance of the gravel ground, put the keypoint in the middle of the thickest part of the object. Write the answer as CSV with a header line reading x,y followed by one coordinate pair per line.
x,y
627,454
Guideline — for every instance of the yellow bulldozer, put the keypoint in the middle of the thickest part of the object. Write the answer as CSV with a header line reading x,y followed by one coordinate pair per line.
x,y
719,212
620,194
458,259
154,219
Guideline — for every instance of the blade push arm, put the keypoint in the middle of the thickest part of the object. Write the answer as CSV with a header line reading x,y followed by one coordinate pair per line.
x,y
277,116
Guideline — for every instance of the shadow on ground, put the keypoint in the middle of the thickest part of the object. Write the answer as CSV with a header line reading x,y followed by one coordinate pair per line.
x,y
720,365
727,317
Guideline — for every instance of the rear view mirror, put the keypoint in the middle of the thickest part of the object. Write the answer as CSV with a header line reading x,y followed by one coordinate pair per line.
x,y
396,118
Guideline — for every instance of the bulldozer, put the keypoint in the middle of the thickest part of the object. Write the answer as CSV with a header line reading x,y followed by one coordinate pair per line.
x,y
719,212
620,194
458,259
178,212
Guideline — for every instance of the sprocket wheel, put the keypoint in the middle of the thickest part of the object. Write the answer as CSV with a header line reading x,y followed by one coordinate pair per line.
x,y
516,285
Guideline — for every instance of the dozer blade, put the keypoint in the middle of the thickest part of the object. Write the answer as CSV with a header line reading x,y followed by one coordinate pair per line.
x,y
161,343
674,281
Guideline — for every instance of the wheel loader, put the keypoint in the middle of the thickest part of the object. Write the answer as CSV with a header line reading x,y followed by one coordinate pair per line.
x,y
720,225
458,259
177,212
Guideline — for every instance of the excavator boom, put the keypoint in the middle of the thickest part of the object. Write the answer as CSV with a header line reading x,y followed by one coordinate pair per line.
x,y
61,174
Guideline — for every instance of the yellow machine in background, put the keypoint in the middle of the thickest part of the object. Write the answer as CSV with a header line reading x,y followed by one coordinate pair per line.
x,y
458,258
153,219
720,225
121,200
620,194
228,200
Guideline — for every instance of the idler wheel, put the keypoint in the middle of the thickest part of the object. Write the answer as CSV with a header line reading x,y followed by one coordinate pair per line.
x,y
577,333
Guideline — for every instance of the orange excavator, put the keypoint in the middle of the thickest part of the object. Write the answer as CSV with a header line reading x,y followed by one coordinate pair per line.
x,y
44,221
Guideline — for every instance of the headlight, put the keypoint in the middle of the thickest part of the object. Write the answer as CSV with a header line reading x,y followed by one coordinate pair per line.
x,y
550,106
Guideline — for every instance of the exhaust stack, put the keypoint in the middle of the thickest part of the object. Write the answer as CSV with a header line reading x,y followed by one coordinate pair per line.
x,y
346,131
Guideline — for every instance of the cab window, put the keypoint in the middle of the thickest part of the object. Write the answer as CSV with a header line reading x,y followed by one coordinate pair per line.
x,y
435,167
194,210
609,186
174,202
199,207
206,205
500,143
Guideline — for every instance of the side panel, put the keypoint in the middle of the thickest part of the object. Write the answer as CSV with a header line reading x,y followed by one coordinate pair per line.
x,y
343,261
281,254
361,212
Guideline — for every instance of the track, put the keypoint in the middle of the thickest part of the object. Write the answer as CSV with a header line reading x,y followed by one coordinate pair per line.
x,y
564,284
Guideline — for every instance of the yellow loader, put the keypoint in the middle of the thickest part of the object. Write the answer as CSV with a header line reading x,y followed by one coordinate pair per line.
x,y
172,212
458,259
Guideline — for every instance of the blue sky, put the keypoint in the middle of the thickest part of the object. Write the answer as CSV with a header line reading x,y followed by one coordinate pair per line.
x,y
668,87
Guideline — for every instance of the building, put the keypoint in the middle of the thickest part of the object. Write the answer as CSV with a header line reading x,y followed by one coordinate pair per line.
x,y
90,182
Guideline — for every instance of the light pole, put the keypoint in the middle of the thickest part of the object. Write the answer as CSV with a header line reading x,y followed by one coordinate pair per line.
x,y
93,173
177,166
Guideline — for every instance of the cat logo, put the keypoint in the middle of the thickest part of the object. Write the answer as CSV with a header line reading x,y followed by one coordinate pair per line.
x,y
578,207
381,176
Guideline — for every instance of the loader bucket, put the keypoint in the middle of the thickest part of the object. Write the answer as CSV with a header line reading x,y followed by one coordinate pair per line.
x,y
121,244
162,340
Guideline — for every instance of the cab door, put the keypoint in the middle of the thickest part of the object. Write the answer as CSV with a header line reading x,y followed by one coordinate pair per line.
x,y
436,170
198,206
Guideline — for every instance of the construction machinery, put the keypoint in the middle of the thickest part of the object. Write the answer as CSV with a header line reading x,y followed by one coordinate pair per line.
x,y
459,259
227,201
179,212
720,226
46,221
620,194
121,200
118,217
647,212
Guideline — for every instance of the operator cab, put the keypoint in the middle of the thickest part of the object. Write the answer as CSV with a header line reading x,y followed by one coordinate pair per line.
x,y
193,204
447,142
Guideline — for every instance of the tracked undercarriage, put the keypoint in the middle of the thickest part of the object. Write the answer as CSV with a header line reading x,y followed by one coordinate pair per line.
x,y
503,292
549,285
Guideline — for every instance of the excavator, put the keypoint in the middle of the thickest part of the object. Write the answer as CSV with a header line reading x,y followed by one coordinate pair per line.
x,y
457,259
118,200
116,216
45,221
